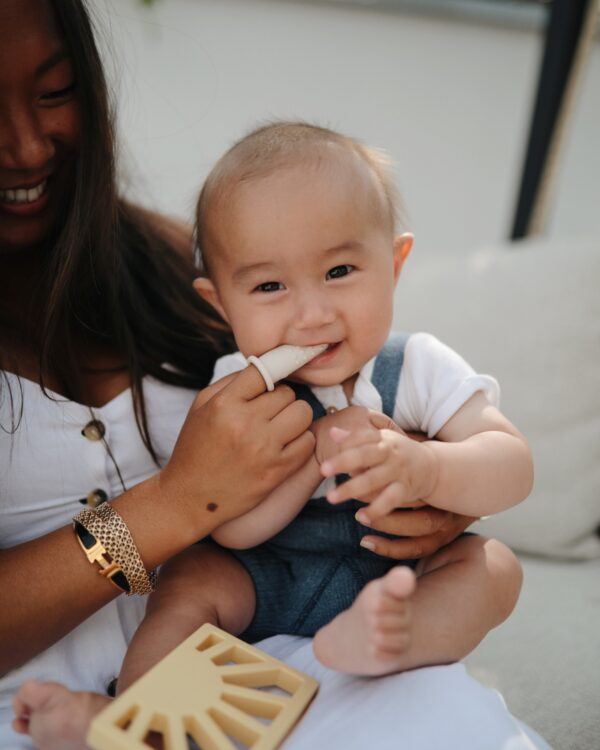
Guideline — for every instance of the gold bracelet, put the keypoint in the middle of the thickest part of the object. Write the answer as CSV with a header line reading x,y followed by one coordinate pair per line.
x,y
111,531
95,553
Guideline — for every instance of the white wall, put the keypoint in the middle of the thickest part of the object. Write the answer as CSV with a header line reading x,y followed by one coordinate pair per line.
x,y
450,101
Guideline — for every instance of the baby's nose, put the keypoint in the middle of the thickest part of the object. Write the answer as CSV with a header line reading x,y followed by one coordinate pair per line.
x,y
314,311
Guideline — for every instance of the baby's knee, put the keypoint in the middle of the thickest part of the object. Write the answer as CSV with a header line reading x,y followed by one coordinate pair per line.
x,y
505,574
498,567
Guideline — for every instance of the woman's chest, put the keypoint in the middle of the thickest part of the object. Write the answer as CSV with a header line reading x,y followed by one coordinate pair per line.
x,y
58,456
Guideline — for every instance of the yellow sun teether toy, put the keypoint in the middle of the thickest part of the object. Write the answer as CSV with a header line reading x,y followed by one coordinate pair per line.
x,y
213,692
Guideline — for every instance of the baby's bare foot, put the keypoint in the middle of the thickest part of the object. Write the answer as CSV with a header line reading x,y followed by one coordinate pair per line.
x,y
55,718
374,634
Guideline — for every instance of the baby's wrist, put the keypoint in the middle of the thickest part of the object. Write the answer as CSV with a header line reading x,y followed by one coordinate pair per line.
x,y
432,470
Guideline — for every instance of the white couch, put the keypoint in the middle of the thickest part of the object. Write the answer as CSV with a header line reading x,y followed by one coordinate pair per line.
x,y
529,313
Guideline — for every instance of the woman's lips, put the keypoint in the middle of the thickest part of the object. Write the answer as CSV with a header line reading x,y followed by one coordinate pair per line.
x,y
24,201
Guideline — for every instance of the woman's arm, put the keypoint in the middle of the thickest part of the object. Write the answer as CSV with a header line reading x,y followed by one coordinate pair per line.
x,y
49,580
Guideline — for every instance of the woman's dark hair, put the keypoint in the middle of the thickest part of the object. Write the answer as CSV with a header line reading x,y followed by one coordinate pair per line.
x,y
113,272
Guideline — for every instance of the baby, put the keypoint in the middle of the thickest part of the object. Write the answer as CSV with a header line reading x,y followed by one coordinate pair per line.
x,y
296,227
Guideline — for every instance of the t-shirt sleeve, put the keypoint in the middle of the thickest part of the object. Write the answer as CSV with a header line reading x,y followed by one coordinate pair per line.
x,y
435,383
228,364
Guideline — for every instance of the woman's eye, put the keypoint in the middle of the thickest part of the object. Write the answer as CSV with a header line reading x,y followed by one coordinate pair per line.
x,y
59,94
269,286
339,271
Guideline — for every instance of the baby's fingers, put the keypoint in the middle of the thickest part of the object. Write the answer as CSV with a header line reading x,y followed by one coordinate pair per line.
x,y
20,723
362,485
392,497
352,460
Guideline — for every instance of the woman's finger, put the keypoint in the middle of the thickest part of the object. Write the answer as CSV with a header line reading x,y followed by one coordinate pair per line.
x,y
291,422
419,522
297,452
246,385
271,403
410,548
211,390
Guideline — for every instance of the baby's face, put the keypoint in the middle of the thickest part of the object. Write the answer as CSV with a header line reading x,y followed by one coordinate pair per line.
x,y
305,257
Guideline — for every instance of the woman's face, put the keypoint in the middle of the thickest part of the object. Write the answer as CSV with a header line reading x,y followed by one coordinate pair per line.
x,y
39,124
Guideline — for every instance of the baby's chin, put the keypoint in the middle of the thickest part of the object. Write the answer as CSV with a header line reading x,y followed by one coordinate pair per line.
x,y
322,379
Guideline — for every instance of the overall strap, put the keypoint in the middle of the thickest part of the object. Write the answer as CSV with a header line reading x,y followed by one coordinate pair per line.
x,y
387,369
303,392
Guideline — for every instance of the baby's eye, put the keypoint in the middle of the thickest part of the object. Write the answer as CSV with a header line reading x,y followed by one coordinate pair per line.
x,y
339,271
269,286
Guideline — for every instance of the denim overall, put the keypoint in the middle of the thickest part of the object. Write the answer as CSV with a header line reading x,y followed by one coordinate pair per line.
x,y
314,568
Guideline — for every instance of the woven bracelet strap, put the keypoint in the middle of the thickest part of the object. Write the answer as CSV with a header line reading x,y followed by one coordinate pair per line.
x,y
111,531
118,541
96,553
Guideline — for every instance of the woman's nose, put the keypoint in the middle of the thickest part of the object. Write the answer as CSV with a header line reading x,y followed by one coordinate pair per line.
x,y
24,145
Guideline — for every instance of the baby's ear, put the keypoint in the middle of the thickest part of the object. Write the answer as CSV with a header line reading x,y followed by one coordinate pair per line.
x,y
402,247
206,289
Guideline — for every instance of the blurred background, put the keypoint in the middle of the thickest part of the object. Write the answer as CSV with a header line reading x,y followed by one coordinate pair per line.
x,y
447,87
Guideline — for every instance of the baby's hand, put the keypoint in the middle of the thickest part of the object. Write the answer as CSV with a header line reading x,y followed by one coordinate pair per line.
x,y
388,470
329,430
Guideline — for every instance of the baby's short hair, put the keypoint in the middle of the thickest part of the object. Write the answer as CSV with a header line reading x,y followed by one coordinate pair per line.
x,y
282,144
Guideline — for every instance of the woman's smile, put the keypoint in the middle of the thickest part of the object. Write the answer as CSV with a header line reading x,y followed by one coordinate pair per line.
x,y
25,200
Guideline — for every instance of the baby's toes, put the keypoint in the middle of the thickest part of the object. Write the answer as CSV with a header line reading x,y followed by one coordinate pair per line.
x,y
395,620
388,644
399,582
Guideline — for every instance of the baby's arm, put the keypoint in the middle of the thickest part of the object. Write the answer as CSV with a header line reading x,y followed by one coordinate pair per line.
x,y
479,464
274,513
284,503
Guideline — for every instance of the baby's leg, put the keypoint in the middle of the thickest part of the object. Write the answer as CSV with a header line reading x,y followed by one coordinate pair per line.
x,y
462,592
202,584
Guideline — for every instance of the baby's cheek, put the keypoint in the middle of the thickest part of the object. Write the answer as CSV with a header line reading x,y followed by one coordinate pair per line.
x,y
256,334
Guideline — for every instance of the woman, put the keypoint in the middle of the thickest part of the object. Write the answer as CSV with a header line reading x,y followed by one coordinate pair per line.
x,y
103,345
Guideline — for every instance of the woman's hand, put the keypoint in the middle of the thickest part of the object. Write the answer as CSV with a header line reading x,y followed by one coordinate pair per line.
x,y
237,444
423,531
